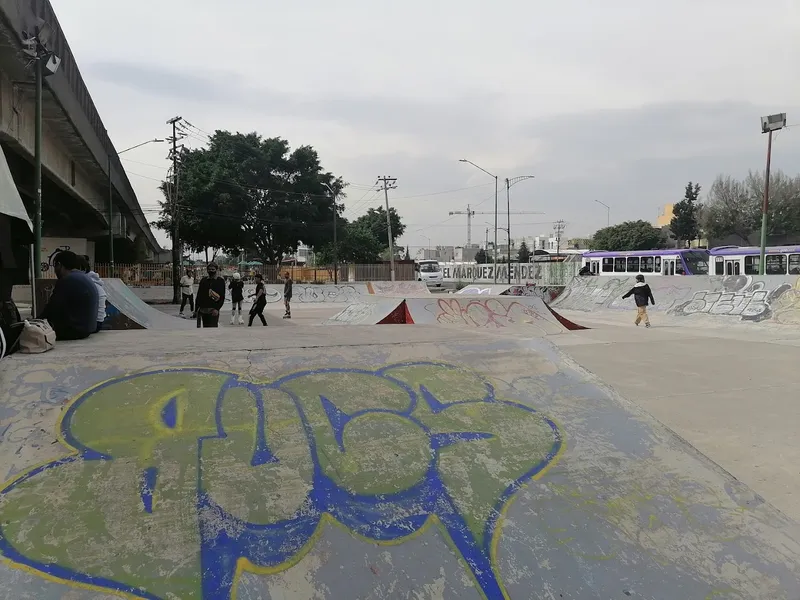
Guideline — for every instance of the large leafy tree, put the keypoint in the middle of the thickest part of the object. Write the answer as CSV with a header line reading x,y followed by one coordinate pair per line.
x,y
733,207
375,221
248,192
630,235
684,224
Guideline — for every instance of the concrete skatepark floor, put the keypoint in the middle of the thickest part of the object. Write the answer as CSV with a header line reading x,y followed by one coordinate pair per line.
x,y
546,483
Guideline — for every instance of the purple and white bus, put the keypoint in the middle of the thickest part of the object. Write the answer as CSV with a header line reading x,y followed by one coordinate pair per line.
x,y
647,262
745,260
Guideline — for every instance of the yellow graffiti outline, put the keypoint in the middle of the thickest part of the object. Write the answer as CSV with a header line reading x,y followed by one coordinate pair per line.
x,y
243,565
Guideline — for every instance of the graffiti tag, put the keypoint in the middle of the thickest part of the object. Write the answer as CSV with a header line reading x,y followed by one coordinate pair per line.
x,y
182,479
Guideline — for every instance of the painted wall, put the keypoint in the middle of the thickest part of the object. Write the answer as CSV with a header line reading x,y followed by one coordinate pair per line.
x,y
742,297
541,273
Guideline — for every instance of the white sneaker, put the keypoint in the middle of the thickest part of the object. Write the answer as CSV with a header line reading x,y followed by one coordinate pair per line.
x,y
241,320
233,321
181,315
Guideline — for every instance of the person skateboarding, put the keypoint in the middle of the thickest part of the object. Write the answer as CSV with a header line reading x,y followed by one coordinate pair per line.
x,y
260,302
210,298
287,295
642,295
236,287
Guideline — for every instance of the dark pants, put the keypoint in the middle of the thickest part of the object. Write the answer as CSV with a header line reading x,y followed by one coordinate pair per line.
x,y
190,299
207,320
257,311
65,331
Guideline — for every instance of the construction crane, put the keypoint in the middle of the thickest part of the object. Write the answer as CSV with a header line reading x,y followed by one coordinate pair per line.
x,y
471,213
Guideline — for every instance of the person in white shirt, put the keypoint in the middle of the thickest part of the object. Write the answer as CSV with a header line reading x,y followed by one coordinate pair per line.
x,y
187,291
101,292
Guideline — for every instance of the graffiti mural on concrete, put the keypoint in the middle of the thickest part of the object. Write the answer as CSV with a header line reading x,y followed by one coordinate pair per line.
x,y
181,480
490,313
740,296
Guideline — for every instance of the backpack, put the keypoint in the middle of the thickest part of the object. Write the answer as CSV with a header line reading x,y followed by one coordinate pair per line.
x,y
37,336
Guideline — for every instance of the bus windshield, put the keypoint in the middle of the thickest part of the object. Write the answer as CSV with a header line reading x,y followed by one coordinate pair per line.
x,y
697,262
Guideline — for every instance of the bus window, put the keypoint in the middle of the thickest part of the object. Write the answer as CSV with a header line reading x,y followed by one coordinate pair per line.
x,y
657,265
794,264
647,264
619,265
633,264
696,262
608,265
776,264
751,265
719,265
679,270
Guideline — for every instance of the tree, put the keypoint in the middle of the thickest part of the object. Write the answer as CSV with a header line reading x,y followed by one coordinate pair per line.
x,y
375,221
684,224
356,243
733,207
245,191
523,255
481,257
630,235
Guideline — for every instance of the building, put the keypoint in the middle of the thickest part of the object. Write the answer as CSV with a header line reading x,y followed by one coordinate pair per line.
x,y
664,216
81,171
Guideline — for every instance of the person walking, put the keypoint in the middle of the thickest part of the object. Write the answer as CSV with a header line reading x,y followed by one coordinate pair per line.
x,y
260,302
236,287
187,292
287,295
210,297
642,294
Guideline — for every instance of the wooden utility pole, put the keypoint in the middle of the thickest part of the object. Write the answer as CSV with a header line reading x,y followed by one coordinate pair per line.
x,y
389,184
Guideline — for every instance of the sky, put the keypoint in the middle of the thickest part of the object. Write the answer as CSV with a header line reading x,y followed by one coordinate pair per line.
x,y
620,102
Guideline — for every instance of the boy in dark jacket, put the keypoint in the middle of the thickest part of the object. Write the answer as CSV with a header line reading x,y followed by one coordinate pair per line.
x,y
287,295
210,298
642,295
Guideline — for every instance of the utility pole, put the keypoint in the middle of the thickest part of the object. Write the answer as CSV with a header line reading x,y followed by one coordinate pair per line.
x,y
559,227
768,125
389,184
176,245
464,160
470,214
335,248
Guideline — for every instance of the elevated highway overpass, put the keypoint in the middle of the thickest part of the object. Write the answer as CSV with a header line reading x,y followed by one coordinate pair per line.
x,y
75,148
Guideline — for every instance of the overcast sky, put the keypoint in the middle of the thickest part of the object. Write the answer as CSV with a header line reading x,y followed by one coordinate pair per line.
x,y
621,101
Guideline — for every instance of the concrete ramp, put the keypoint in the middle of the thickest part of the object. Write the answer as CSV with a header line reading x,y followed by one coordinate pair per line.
x,y
478,289
394,462
768,299
124,310
398,288
526,314
384,311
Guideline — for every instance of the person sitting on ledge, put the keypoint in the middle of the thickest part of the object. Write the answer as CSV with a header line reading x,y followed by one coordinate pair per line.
x,y
72,309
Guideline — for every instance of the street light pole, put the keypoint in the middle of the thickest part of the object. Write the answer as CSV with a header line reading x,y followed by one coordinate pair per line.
x,y
509,183
37,172
768,125
608,212
464,160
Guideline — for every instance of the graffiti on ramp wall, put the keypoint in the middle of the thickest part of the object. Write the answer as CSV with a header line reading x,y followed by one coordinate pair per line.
x,y
181,480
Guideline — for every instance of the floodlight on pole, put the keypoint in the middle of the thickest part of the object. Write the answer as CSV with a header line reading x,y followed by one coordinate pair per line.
x,y
769,124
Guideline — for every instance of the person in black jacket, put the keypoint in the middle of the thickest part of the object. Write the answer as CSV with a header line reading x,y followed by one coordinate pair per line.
x,y
287,295
642,295
257,309
210,298
72,309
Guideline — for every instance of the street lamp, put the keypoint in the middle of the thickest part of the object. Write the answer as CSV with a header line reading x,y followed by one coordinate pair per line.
x,y
608,212
509,183
335,249
111,204
429,243
768,125
464,160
